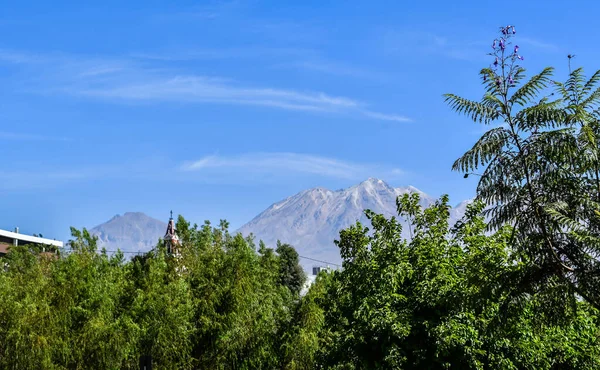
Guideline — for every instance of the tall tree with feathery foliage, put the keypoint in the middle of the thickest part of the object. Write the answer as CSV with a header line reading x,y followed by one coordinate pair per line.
x,y
540,167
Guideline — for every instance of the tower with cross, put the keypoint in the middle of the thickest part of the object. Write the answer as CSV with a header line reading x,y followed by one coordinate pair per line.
x,y
171,239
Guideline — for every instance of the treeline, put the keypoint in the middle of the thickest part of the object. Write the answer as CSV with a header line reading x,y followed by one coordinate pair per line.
x,y
514,285
224,303
444,299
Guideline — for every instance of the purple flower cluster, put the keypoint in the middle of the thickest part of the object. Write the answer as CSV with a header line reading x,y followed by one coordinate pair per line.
x,y
504,58
515,53
507,30
501,43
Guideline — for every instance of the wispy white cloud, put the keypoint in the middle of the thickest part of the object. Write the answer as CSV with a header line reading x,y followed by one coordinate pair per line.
x,y
284,164
203,89
386,117
127,81
100,70
17,136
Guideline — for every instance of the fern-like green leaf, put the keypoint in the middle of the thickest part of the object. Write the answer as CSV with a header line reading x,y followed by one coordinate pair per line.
x,y
486,148
531,89
478,112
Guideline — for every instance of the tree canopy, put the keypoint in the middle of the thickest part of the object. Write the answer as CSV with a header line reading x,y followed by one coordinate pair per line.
x,y
541,168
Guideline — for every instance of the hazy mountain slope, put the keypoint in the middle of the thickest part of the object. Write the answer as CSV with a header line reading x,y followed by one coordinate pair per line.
x,y
132,232
311,220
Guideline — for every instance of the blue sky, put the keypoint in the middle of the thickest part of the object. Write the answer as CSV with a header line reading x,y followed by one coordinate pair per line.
x,y
218,109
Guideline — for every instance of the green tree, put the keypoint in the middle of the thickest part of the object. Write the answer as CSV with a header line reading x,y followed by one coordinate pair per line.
x,y
303,340
540,167
291,273
87,289
65,312
239,308
439,301
162,309
27,328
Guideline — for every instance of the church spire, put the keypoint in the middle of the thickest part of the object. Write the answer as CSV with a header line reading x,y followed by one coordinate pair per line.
x,y
170,238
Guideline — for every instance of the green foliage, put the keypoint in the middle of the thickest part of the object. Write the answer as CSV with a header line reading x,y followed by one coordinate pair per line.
x,y
303,341
291,274
438,301
541,170
220,305
446,298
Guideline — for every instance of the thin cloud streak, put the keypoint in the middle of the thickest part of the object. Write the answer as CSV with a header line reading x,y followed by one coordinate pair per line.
x,y
386,117
122,80
200,89
286,163
203,89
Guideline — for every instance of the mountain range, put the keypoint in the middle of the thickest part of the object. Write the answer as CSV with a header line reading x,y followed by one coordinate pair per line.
x,y
310,221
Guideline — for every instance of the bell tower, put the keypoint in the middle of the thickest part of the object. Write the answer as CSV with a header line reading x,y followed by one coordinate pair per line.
x,y
171,240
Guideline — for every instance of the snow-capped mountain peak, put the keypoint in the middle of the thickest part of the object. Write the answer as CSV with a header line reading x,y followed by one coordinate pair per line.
x,y
312,219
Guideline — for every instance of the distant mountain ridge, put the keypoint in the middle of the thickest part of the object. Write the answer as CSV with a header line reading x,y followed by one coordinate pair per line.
x,y
312,219
131,232
309,220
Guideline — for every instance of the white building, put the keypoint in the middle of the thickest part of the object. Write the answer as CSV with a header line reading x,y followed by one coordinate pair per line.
x,y
12,238
317,269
